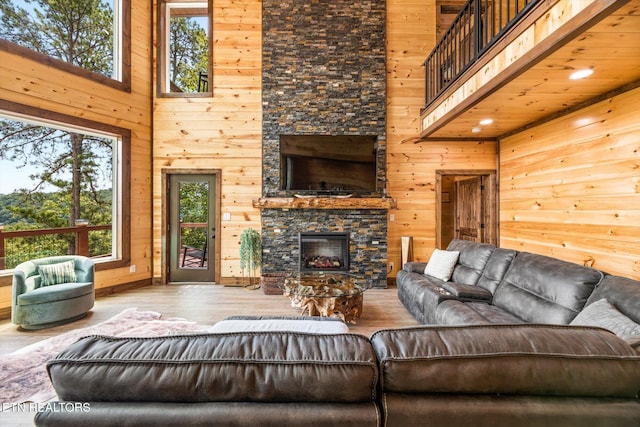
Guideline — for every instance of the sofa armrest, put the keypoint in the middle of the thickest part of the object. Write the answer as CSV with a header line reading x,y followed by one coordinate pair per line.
x,y
414,267
467,292
529,359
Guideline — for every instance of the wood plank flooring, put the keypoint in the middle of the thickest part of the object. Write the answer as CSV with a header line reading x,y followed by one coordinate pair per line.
x,y
204,304
207,304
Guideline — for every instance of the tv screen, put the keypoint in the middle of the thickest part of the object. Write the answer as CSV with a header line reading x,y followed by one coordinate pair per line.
x,y
328,163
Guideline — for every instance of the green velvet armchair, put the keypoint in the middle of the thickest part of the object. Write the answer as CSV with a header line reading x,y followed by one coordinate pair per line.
x,y
51,291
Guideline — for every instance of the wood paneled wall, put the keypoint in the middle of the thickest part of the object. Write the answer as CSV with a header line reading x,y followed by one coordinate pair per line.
x,y
222,132
38,85
570,188
411,167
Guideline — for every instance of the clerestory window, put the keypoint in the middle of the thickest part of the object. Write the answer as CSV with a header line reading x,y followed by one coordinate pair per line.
x,y
86,37
64,188
184,48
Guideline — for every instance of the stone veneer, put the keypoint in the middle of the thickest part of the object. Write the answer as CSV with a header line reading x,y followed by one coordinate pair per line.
x,y
324,73
367,239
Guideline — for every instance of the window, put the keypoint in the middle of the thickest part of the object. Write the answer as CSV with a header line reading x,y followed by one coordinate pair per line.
x,y
64,188
84,37
184,53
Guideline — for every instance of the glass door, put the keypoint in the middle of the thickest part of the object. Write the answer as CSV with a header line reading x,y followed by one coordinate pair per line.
x,y
192,228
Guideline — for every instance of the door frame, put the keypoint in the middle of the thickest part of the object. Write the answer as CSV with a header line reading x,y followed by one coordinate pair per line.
x,y
491,201
165,206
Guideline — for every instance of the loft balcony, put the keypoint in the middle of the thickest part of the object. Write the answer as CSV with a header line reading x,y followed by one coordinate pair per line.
x,y
511,61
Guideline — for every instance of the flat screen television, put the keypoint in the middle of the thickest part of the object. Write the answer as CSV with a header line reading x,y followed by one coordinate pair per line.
x,y
331,164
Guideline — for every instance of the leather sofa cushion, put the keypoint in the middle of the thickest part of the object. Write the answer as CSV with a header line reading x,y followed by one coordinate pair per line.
x,y
538,360
495,269
471,261
467,292
540,289
209,414
472,313
256,367
63,291
622,292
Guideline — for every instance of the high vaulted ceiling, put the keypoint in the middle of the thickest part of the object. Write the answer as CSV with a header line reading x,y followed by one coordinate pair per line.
x,y
610,46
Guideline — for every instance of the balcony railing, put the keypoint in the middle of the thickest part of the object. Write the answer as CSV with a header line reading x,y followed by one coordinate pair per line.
x,y
477,27
20,246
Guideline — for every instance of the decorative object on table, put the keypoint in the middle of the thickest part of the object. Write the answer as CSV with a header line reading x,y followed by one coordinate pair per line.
x,y
250,255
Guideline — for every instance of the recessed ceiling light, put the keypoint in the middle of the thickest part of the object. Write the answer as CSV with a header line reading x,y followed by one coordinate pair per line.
x,y
581,74
475,129
485,122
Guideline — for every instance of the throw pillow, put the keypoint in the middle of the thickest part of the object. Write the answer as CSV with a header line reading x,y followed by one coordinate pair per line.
x,y
603,314
441,264
54,274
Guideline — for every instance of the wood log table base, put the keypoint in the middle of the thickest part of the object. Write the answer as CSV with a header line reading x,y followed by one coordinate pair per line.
x,y
326,294
347,308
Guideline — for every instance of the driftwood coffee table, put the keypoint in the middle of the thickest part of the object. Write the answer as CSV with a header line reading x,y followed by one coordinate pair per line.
x,y
328,294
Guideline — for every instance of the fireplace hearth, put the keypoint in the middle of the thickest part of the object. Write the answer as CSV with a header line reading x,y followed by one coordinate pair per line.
x,y
324,251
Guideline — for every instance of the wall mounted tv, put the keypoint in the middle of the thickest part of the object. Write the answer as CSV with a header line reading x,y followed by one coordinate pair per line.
x,y
331,164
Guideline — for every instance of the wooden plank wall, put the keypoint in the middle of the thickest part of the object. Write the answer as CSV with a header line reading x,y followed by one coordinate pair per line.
x,y
411,167
38,85
223,132
570,188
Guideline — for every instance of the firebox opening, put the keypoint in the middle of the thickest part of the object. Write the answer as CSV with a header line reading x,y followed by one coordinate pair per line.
x,y
324,251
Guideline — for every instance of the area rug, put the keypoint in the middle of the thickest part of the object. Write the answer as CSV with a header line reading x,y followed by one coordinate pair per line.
x,y
23,375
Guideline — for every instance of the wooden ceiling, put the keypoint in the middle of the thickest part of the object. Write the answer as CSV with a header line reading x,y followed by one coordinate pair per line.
x,y
611,47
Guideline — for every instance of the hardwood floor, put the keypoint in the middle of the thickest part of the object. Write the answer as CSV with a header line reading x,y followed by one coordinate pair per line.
x,y
207,304
204,304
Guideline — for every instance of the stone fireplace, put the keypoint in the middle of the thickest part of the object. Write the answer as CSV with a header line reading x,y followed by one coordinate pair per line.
x,y
324,74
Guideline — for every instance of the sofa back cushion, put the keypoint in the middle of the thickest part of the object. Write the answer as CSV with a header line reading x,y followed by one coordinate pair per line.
x,y
471,261
496,267
230,367
541,289
622,292
540,360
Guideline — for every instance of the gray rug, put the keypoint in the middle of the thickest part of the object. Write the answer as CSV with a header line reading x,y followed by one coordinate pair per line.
x,y
23,375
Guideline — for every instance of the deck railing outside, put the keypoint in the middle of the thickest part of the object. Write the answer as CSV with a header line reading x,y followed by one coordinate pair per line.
x,y
478,26
23,245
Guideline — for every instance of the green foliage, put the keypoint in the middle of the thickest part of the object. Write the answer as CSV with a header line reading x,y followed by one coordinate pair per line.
x,y
194,209
24,211
76,31
188,52
250,250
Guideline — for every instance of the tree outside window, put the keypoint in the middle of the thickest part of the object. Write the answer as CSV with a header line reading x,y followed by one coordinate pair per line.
x,y
70,169
184,54
79,32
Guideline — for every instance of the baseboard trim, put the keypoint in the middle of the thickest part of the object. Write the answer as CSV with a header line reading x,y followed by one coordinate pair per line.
x,y
5,312
110,290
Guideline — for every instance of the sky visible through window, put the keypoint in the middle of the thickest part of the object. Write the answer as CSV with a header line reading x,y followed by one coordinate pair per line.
x,y
14,176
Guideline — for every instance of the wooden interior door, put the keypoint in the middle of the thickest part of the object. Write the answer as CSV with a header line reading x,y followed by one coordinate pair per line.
x,y
468,207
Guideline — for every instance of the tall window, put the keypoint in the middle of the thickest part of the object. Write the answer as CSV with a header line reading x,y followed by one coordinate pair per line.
x,y
61,180
87,34
185,34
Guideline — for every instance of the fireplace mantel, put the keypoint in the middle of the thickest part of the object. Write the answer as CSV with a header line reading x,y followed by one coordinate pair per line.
x,y
325,203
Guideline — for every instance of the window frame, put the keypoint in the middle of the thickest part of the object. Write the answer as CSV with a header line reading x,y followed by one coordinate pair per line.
x,y
162,51
121,217
122,54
